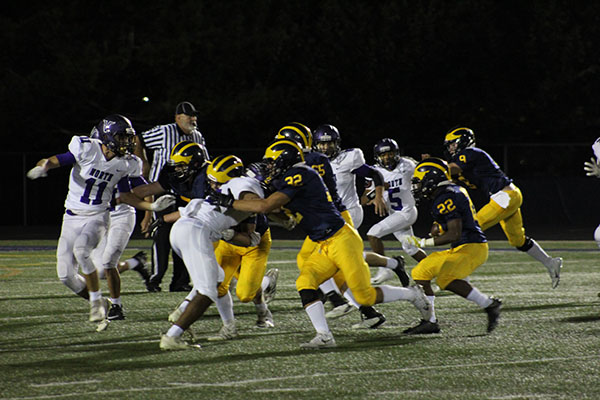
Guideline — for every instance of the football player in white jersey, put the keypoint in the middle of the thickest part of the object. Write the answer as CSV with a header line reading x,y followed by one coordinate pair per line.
x,y
99,165
197,227
592,168
397,172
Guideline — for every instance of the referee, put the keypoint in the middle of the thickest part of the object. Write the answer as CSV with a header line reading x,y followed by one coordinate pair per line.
x,y
158,143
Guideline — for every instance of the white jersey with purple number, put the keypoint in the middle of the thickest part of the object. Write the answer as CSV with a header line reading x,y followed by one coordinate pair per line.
x,y
399,194
93,178
343,164
596,148
236,186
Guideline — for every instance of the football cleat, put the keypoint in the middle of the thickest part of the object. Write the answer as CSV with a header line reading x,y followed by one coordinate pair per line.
x,y
339,311
401,272
493,313
98,309
227,332
370,323
115,313
383,274
554,270
424,327
269,292
321,341
142,267
421,302
176,343
265,319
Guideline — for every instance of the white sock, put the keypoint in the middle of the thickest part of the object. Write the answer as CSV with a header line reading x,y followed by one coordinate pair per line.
x,y
350,297
101,273
132,262
393,293
539,254
191,294
116,301
479,298
225,307
391,263
433,317
265,283
260,307
329,286
316,313
94,296
174,331
184,305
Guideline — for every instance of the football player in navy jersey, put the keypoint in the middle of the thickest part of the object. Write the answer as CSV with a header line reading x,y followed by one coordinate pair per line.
x,y
452,209
478,170
301,193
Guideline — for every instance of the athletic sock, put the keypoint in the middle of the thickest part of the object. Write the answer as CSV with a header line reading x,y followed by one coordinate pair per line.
x,y
316,313
479,298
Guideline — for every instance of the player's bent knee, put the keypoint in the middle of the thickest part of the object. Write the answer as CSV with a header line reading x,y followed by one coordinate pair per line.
x,y
245,296
309,296
365,297
525,246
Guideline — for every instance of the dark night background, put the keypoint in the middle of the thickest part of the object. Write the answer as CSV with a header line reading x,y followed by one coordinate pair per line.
x,y
524,75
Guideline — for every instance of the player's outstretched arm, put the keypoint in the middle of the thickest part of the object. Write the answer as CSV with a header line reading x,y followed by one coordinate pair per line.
x,y
42,167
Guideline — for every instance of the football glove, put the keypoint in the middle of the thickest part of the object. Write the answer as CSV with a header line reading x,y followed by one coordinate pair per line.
x,y
592,168
40,171
222,199
289,224
227,234
163,202
418,242
153,228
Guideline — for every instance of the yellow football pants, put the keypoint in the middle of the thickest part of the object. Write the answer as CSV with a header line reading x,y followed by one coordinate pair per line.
x,y
510,218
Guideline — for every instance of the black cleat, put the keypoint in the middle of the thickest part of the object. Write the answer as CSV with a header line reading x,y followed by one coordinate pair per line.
x,y
493,313
424,327
153,287
401,272
182,288
115,313
142,267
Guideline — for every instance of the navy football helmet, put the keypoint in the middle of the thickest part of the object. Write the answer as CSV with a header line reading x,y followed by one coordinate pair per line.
x,y
187,158
297,132
428,175
463,137
384,146
116,133
280,156
327,140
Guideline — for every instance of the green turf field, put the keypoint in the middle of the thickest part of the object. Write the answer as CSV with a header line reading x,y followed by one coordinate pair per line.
x,y
547,345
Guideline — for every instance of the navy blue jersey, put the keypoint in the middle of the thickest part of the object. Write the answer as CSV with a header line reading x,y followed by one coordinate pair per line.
x,y
311,204
198,188
453,202
480,170
320,163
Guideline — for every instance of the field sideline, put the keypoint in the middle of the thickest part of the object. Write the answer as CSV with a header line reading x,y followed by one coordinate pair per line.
x,y
547,345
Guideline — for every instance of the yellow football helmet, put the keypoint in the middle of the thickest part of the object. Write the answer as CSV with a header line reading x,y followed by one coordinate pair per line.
x,y
428,174
224,168
297,132
186,159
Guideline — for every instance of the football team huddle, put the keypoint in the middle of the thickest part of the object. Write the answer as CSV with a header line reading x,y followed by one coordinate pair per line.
x,y
305,181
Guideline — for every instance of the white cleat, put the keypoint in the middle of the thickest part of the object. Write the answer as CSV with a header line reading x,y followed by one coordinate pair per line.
x,y
99,310
227,332
383,274
321,341
421,302
176,343
265,319
269,292
339,311
554,270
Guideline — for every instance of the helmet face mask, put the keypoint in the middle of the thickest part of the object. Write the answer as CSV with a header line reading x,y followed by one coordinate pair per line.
x,y
280,156
457,140
387,153
116,133
187,158
428,176
298,133
327,140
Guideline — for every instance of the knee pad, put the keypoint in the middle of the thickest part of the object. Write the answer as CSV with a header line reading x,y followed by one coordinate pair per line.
x,y
309,296
527,245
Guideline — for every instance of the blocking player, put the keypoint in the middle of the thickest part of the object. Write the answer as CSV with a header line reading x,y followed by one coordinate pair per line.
x,y
592,168
397,173
301,193
98,166
477,170
453,210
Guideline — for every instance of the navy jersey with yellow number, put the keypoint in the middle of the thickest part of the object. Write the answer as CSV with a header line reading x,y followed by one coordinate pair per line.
x,y
480,170
320,163
196,189
453,202
311,204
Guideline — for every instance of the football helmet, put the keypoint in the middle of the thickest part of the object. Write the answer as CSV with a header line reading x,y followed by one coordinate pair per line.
x,y
297,132
187,158
224,168
428,175
280,156
325,134
463,137
384,146
116,133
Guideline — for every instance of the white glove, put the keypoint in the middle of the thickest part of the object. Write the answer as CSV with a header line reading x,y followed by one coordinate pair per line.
x,y
418,242
227,234
163,202
289,224
592,168
38,171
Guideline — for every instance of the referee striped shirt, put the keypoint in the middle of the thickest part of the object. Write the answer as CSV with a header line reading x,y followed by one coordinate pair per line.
x,y
161,139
